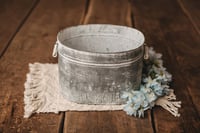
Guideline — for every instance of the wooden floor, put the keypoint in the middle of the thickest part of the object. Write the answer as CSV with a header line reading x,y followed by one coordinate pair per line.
x,y
28,31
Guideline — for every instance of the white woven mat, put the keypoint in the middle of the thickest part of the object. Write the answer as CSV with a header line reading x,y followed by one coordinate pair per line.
x,y
42,95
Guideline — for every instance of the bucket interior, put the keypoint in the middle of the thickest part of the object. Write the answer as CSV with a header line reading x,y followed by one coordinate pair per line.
x,y
102,40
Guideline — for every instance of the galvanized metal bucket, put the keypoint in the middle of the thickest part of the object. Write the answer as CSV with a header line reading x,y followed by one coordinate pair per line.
x,y
97,62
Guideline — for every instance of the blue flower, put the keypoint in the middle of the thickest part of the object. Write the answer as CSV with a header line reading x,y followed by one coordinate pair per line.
x,y
149,94
129,109
126,95
158,90
154,85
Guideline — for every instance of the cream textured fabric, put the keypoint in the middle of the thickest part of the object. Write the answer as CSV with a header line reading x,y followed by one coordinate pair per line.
x,y
42,95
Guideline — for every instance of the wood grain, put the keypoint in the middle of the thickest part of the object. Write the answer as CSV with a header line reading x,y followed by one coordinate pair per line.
x,y
109,12
192,11
172,27
105,122
13,14
33,43
170,32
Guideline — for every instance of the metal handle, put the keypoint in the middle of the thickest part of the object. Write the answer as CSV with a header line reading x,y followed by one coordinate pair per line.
x,y
55,50
146,52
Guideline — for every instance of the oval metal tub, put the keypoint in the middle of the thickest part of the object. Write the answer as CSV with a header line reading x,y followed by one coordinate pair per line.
x,y
98,62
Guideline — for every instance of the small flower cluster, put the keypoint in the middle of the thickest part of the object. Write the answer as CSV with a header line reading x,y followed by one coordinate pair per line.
x,y
154,84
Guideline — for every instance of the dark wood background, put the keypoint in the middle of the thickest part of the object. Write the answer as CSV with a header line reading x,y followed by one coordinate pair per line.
x,y
28,30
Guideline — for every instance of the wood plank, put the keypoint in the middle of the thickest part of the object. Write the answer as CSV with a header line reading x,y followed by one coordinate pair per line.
x,y
191,67
168,29
105,122
33,43
13,14
110,12
192,11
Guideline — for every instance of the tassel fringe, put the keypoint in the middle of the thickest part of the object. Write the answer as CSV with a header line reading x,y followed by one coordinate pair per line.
x,y
167,102
36,85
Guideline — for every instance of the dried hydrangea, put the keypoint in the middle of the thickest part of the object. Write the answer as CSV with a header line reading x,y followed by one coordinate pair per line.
x,y
154,84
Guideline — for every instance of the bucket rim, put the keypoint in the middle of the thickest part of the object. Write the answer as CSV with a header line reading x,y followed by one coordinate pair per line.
x,y
101,53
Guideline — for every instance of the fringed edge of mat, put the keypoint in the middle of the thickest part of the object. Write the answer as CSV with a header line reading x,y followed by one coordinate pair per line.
x,y
169,103
35,94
